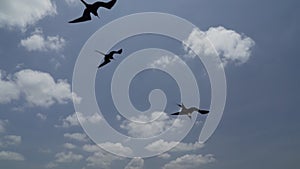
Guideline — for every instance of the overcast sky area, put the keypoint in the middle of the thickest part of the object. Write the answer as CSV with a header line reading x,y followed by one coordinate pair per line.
x,y
257,42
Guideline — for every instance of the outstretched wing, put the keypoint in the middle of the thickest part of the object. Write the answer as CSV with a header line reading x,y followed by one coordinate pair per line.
x,y
103,63
116,52
86,16
107,5
203,111
177,113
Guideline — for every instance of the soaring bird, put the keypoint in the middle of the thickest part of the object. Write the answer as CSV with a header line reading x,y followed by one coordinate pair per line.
x,y
189,111
108,57
93,8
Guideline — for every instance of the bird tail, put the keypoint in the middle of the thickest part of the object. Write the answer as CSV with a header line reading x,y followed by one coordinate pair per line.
x,y
203,111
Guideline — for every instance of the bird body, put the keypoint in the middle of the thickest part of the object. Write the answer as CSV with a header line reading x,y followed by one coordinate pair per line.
x,y
93,8
108,57
189,111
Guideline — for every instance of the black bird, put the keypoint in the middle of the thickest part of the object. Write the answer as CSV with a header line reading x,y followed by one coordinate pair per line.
x,y
189,111
93,8
108,57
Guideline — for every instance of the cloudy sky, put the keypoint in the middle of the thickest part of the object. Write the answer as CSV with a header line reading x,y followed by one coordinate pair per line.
x,y
258,45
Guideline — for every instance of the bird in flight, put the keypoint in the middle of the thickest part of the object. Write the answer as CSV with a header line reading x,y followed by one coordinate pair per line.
x,y
189,111
93,8
108,57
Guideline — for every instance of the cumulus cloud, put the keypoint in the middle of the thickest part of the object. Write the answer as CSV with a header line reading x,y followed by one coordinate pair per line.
x,y
10,140
41,116
3,123
118,148
135,163
161,123
39,42
101,159
69,146
72,2
9,155
38,89
231,46
73,120
76,136
68,157
165,61
22,13
189,161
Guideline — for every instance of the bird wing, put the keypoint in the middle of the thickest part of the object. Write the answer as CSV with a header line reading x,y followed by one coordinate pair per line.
x,y
203,111
116,52
106,61
107,5
86,16
177,113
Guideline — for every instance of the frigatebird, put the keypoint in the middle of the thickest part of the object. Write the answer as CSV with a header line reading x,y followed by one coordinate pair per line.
x,y
189,111
108,56
93,8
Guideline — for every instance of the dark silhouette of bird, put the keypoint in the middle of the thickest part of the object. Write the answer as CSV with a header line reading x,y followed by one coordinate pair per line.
x,y
108,57
93,8
189,111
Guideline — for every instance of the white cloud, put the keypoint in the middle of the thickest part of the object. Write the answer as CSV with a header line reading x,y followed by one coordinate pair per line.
x,y
22,13
69,157
72,120
189,161
91,148
69,146
41,116
101,159
118,117
38,89
164,156
38,42
9,90
230,45
10,140
135,163
160,124
161,145
117,148
8,155
72,2
3,123
165,61
76,136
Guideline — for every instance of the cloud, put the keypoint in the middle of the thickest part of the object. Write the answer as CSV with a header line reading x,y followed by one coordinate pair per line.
x,y
41,116
69,157
231,46
3,123
162,145
72,2
22,13
38,89
72,120
135,163
38,42
69,146
10,140
164,156
189,161
76,136
101,159
9,155
118,148
160,124
165,61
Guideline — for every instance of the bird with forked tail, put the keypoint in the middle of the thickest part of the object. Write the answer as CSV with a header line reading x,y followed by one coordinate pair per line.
x,y
93,8
108,56
189,111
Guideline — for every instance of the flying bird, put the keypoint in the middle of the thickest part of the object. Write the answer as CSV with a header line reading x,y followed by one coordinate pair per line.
x,y
189,111
108,57
93,8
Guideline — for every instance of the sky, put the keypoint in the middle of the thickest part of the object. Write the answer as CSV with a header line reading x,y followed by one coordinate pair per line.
x,y
256,41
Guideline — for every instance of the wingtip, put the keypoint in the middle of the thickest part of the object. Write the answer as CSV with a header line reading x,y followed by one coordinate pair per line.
x,y
203,111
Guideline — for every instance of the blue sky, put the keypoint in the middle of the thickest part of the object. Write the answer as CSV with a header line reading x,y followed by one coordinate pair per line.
x,y
257,42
